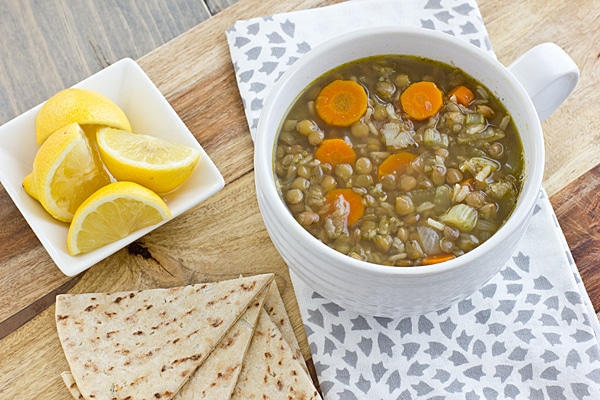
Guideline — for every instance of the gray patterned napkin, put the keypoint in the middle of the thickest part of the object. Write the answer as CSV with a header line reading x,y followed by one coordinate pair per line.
x,y
529,333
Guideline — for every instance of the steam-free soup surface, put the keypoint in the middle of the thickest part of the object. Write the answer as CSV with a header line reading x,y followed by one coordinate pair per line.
x,y
399,161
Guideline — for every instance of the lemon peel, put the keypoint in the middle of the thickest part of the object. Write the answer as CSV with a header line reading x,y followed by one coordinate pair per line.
x,y
66,170
83,106
112,213
153,162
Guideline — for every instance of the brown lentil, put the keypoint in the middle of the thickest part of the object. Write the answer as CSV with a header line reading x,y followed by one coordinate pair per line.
x,y
306,127
453,176
360,130
364,165
408,183
315,138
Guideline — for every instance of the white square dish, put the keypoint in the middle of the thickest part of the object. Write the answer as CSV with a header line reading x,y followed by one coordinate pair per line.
x,y
125,83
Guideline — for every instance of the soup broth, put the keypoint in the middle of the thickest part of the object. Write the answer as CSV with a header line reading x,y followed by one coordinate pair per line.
x,y
399,161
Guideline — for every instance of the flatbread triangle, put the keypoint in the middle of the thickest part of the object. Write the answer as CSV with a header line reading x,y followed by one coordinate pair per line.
x,y
146,344
271,369
217,376
276,309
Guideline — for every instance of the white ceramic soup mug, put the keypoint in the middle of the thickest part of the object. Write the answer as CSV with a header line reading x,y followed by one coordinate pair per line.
x,y
540,80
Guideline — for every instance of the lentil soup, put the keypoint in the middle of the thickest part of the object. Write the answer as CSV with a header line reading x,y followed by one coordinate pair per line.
x,y
399,161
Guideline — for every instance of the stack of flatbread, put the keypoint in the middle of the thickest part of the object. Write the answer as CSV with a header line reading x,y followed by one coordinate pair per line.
x,y
221,340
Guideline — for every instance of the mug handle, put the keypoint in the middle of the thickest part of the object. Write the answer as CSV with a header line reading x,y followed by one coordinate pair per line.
x,y
548,75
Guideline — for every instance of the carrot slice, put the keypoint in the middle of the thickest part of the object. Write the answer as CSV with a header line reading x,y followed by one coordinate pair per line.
x,y
335,151
341,103
353,200
436,259
421,100
395,164
463,95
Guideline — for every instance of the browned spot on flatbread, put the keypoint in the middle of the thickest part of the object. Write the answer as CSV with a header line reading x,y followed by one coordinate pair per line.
x,y
91,307
185,373
229,372
194,357
249,286
193,333
163,323
215,322
279,385
137,381
224,298
191,311
61,317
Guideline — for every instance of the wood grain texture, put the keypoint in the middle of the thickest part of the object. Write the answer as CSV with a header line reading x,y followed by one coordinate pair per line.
x,y
579,218
571,140
216,6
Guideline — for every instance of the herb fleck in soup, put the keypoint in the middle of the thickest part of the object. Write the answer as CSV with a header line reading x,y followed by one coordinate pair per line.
x,y
399,161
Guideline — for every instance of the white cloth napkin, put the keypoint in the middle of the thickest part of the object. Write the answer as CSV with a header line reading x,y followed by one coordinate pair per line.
x,y
529,333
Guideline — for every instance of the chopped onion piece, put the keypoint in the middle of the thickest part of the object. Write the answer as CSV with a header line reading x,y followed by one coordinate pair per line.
x,y
430,240
461,216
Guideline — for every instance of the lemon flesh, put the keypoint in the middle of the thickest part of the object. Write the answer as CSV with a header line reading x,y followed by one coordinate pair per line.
x,y
158,164
112,213
83,106
66,170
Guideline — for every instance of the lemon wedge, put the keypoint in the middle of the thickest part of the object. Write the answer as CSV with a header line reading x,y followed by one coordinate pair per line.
x,y
66,170
113,212
158,164
83,106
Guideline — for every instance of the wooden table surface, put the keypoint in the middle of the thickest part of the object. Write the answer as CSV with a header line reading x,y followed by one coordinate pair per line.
x,y
181,45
